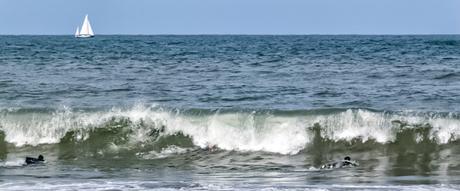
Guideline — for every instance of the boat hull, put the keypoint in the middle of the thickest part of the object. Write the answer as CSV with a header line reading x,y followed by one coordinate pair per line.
x,y
84,36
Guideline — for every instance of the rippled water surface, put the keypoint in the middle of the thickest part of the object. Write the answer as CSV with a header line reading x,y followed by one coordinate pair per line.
x,y
230,112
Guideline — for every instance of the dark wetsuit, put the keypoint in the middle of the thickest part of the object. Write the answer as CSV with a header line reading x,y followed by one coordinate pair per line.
x,y
31,160
344,163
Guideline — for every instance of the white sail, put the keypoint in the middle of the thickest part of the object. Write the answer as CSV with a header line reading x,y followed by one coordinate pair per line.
x,y
77,32
86,30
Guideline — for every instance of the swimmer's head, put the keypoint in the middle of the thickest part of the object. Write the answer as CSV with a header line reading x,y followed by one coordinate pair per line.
x,y
40,157
347,158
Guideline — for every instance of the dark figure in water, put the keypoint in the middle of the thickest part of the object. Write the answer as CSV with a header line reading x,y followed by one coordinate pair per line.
x,y
31,160
346,162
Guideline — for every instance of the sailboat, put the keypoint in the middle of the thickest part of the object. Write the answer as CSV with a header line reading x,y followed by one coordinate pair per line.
x,y
86,30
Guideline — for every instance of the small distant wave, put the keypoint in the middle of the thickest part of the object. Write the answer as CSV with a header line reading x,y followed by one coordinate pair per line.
x,y
444,42
328,93
244,98
451,75
184,53
155,132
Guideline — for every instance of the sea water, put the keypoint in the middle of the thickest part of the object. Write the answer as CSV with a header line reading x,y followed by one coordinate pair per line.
x,y
225,112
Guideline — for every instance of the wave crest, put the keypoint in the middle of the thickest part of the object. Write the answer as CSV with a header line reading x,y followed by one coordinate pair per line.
x,y
143,129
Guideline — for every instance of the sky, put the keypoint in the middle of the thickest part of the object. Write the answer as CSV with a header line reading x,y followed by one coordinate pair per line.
x,y
55,17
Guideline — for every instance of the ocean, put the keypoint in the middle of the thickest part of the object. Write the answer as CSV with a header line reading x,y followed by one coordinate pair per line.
x,y
230,112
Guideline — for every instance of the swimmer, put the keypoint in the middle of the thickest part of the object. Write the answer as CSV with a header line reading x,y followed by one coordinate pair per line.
x,y
346,162
31,160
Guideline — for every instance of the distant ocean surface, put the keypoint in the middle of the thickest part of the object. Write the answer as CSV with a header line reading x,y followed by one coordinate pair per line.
x,y
229,112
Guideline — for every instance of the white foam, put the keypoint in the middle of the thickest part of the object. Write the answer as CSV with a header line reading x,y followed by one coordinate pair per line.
x,y
173,149
355,124
243,132
445,129
165,152
65,185
13,163
37,128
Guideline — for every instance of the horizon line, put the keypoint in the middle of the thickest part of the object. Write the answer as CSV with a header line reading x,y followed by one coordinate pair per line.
x,y
247,34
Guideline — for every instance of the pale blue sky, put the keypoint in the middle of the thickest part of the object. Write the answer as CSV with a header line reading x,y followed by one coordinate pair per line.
x,y
232,16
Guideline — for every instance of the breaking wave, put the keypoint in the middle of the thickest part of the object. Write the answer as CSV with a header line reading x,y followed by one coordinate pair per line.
x,y
156,131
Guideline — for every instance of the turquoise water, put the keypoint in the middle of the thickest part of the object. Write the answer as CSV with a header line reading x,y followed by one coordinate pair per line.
x,y
141,112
